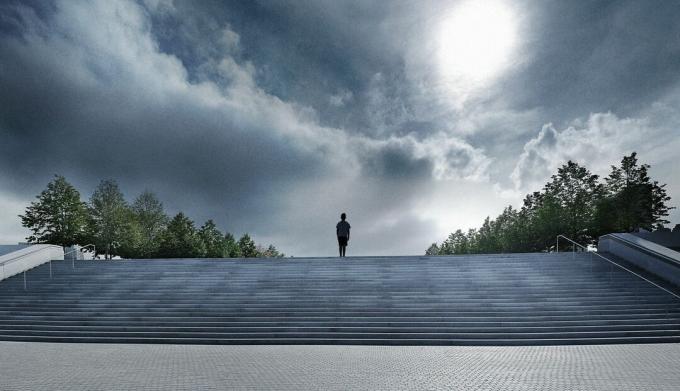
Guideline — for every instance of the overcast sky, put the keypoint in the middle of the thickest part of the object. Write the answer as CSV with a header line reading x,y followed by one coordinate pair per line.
x,y
273,117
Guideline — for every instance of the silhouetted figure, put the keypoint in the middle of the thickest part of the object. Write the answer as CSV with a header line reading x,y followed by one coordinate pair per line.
x,y
342,230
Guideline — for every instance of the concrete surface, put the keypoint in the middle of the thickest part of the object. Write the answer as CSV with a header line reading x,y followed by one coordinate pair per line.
x,y
54,366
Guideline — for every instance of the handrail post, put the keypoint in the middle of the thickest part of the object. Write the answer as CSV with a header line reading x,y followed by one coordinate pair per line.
x,y
73,263
612,264
73,260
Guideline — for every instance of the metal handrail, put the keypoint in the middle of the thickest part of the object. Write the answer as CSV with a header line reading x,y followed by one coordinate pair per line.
x,y
29,253
24,255
73,264
557,246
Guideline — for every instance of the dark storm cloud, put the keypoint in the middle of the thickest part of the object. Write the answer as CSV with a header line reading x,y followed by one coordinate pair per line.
x,y
396,162
271,116
307,52
597,56
93,119
89,92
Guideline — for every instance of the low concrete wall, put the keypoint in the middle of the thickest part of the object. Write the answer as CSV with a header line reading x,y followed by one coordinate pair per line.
x,y
666,239
656,259
28,258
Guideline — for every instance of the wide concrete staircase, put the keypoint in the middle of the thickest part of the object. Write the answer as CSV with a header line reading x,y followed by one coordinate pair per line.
x,y
518,299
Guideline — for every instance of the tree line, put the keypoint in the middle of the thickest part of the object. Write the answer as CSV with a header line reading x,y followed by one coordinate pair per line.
x,y
140,229
574,203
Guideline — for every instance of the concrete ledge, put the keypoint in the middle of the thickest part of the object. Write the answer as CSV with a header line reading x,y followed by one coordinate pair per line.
x,y
666,239
654,258
27,258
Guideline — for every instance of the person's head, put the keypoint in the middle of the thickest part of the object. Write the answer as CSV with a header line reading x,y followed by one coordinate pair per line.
x,y
343,217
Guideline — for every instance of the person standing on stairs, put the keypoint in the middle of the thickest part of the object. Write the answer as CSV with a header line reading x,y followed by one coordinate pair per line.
x,y
342,230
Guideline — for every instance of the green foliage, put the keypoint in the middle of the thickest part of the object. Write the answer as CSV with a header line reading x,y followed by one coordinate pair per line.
x,y
133,238
575,193
140,230
574,203
181,240
247,247
109,218
632,200
58,216
269,252
215,244
432,250
150,221
233,250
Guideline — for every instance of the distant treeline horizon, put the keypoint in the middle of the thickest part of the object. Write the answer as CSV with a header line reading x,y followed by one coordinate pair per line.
x,y
140,229
574,203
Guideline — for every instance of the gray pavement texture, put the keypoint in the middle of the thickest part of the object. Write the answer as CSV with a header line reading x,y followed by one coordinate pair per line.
x,y
55,366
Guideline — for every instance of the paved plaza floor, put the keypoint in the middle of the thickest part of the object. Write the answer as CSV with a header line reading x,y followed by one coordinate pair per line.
x,y
53,366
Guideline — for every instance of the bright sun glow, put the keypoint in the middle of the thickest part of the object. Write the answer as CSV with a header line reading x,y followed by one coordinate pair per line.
x,y
477,40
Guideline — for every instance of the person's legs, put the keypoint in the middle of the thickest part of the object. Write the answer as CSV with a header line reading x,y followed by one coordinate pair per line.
x,y
342,243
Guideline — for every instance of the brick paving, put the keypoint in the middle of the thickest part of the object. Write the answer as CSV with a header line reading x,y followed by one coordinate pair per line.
x,y
54,366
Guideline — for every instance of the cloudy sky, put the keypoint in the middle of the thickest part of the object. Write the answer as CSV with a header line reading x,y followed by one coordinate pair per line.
x,y
272,117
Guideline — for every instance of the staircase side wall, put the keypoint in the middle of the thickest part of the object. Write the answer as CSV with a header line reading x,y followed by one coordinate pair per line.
x,y
645,258
27,258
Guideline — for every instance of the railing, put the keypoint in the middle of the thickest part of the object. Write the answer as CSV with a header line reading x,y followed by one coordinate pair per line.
x,y
73,265
25,255
584,248
73,261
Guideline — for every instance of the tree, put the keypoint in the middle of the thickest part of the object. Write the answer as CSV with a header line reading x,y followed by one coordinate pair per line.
x,y
215,244
432,250
247,247
133,238
457,243
547,222
507,230
632,199
109,217
486,238
58,217
574,203
575,193
180,239
269,252
233,250
151,220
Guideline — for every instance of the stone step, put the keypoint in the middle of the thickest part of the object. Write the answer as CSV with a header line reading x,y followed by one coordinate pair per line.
x,y
352,317
344,303
332,328
484,300
388,341
371,306
350,312
344,335
288,322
